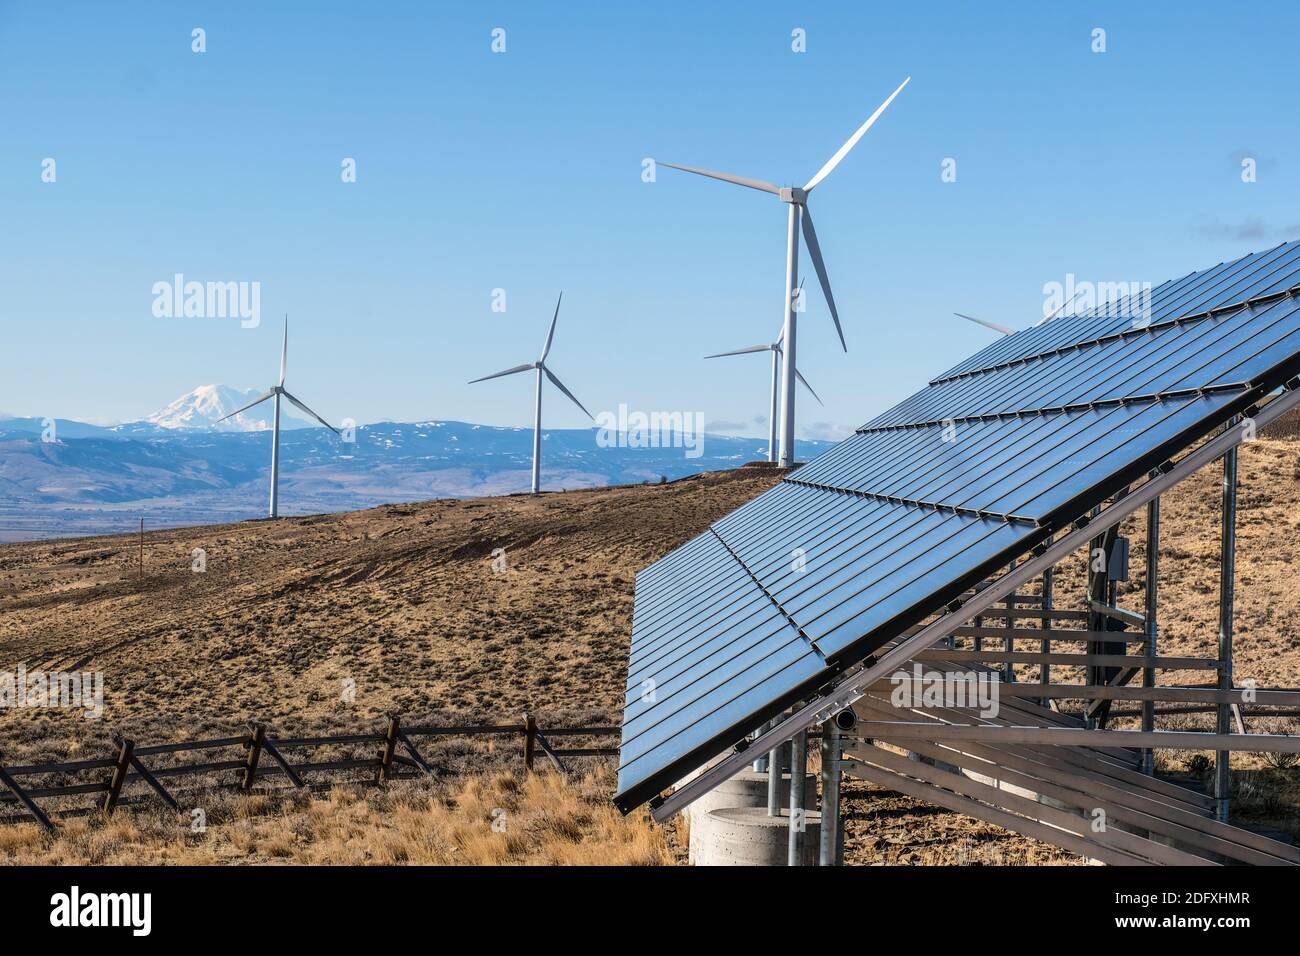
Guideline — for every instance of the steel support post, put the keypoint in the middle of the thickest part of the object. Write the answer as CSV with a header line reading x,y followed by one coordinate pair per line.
x,y
1227,576
829,847
1045,670
798,767
1153,587
1009,669
774,763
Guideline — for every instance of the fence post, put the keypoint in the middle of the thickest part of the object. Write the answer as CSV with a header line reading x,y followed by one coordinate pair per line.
x,y
126,748
254,754
390,746
530,739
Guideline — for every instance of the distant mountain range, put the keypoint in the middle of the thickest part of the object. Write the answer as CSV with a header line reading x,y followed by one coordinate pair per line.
x,y
176,467
200,409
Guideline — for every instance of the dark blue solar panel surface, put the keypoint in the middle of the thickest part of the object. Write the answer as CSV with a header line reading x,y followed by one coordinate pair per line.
x,y
933,495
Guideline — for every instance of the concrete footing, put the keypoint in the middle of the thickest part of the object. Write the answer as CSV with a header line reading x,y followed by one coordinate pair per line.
x,y
749,789
747,836
746,790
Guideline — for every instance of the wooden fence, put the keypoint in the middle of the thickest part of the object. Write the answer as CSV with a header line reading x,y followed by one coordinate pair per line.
x,y
265,756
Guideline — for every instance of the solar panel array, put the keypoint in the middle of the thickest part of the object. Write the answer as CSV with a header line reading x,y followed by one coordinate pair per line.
x,y
932,496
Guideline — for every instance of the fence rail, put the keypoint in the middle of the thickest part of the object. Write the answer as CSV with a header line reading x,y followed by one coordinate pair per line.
x,y
126,766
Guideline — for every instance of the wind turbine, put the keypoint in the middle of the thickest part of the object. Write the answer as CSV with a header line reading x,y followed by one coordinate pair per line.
x,y
775,349
1059,309
540,366
1006,331
275,391
987,324
797,199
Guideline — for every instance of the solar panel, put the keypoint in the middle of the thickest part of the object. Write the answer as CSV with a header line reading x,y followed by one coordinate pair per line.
x,y
933,495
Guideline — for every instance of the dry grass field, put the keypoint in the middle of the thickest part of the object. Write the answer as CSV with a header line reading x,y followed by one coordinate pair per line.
x,y
404,605
480,819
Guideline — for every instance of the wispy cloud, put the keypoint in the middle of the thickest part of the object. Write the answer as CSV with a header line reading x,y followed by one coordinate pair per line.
x,y
1252,227
827,431
722,426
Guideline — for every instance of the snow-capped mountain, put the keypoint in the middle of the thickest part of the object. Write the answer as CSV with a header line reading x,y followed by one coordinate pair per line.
x,y
178,470
201,408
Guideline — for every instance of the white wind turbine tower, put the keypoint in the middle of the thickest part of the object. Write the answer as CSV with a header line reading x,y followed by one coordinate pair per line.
x,y
797,200
540,367
275,391
775,349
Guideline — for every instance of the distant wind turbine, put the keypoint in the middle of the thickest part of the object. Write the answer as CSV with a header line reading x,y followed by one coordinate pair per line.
x,y
1006,331
540,366
275,391
986,323
797,200
1058,310
775,349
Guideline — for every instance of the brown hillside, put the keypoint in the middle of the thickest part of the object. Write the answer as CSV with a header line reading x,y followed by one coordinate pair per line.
x,y
401,600
404,601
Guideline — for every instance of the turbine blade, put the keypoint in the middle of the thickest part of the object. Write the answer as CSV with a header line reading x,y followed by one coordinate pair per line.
x,y
727,178
546,349
1058,310
560,385
244,408
744,351
804,382
310,412
987,324
509,371
815,253
853,140
284,350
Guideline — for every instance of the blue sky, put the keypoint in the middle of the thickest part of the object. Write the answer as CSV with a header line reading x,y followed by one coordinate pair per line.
x,y
521,171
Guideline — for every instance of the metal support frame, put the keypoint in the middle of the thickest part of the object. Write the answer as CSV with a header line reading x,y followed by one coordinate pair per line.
x,y
1152,592
1227,577
1038,736
1095,622
1045,669
854,686
798,813
832,751
1101,597
760,762
774,763
1009,669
